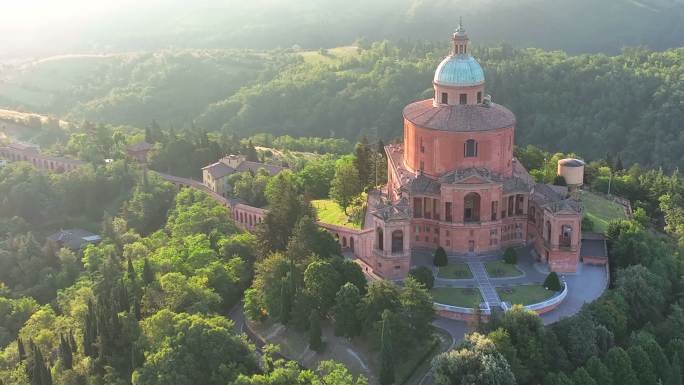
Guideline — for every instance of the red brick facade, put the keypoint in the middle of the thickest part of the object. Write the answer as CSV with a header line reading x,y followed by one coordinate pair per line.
x,y
455,183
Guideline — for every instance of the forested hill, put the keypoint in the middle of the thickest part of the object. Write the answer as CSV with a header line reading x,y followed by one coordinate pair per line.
x,y
571,25
628,105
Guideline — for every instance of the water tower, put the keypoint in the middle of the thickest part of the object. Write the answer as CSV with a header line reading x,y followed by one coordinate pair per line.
x,y
573,172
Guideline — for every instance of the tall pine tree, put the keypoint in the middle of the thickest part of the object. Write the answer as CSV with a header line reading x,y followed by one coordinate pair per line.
x,y
386,359
364,162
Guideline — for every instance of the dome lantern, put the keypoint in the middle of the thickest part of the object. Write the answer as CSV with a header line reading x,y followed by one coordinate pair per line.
x,y
459,78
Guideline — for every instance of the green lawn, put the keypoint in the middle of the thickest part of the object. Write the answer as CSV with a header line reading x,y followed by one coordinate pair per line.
x,y
455,271
456,296
601,210
525,295
501,269
328,211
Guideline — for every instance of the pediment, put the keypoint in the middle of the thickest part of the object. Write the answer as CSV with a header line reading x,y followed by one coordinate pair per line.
x,y
474,179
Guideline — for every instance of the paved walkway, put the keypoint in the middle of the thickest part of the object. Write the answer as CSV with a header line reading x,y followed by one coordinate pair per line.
x,y
486,288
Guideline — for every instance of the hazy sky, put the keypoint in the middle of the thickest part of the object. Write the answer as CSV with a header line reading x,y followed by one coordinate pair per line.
x,y
27,25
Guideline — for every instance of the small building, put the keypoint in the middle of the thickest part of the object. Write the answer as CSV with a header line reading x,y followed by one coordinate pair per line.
x,y
594,250
74,239
139,151
215,175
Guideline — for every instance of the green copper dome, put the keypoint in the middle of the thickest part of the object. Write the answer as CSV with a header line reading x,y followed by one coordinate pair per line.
x,y
459,70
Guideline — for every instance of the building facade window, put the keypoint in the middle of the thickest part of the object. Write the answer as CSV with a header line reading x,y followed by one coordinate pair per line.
x,y
479,97
470,148
471,207
463,99
417,208
445,98
447,212
519,204
397,241
495,209
565,236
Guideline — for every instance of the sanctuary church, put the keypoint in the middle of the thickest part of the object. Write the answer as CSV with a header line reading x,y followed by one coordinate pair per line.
x,y
455,183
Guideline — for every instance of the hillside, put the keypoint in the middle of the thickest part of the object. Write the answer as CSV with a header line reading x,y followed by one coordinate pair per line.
x,y
571,25
626,105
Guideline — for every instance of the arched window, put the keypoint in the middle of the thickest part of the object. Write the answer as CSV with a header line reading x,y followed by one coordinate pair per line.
x,y
351,243
471,207
548,231
344,242
531,214
397,241
565,238
381,239
470,148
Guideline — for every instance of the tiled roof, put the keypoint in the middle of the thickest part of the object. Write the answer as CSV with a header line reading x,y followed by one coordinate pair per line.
x,y
218,170
74,238
398,211
546,196
515,184
255,166
461,118
422,184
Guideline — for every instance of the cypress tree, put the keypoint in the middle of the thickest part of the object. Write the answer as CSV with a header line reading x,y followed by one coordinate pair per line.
x,y
131,270
552,282
285,301
148,273
642,365
440,258
620,365
90,331
386,360
72,342
315,342
136,308
21,349
124,302
675,376
65,353
599,372
363,161
582,377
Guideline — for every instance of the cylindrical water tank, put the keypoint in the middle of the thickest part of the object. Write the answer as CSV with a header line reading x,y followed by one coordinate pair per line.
x,y
572,170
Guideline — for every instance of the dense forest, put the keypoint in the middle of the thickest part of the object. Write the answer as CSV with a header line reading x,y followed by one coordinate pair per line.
x,y
628,105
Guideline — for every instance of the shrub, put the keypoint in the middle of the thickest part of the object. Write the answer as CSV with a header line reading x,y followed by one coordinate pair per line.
x,y
440,257
559,180
587,224
424,276
510,256
552,282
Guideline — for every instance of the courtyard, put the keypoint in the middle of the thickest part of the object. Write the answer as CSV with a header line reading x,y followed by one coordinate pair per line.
x,y
468,279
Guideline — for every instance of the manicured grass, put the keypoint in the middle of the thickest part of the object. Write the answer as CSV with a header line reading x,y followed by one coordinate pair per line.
x,y
601,210
456,296
501,269
524,295
455,271
328,211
